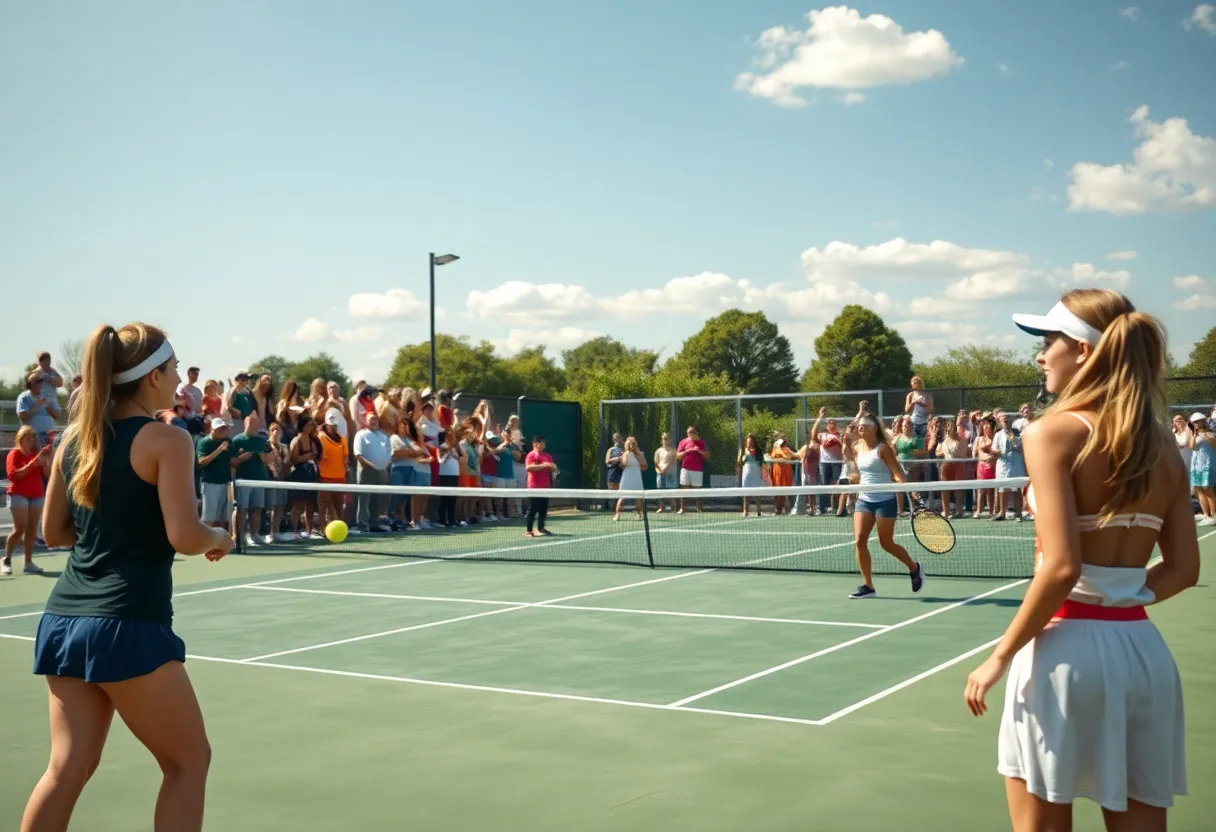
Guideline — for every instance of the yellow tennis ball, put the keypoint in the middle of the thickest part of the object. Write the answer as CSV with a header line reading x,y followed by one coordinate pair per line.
x,y
336,531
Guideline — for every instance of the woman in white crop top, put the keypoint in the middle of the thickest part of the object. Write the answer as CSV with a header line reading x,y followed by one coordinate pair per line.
x,y
1093,704
877,465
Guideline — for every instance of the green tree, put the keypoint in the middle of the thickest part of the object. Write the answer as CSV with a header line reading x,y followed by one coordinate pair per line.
x,y
461,365
744,347
276,366
600,354
322,365
978,366
858,351
1202,360
534,374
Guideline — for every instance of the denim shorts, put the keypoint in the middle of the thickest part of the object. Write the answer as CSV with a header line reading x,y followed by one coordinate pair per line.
x,y
885,509
17,501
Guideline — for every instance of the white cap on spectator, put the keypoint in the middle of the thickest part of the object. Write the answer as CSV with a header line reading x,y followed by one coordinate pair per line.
x,y
1197,417
220,422
333,417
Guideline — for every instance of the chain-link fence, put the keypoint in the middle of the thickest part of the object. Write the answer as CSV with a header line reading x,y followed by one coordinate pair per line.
x,y
724,421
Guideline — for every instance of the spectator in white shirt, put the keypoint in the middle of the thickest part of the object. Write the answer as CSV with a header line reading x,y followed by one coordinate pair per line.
x,y
373,455
193,395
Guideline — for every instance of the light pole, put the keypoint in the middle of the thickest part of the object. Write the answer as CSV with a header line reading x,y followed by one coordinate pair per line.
x,y
441,260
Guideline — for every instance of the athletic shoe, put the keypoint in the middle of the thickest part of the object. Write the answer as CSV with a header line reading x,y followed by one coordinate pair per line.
x,y
918,578
864,591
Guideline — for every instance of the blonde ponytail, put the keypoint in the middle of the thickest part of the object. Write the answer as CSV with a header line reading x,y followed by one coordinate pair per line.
x,y
1123,381
109,351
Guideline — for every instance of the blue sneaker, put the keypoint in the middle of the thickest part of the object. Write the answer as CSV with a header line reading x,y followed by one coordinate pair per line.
x,y
864,591
918,578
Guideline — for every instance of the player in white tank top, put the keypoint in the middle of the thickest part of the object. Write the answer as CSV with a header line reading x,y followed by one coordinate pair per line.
x,y
1093,704
877,465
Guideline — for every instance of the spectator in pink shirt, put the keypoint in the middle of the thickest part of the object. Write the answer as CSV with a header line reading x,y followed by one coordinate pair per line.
x,y
541,468
691,455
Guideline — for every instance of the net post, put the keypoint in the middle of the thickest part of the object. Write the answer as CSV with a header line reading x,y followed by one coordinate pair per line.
x,y
646,531
882,412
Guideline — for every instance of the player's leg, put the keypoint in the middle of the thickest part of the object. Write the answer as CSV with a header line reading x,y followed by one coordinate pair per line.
x,y
163,713
80,721
863,524
1033,814
1139,817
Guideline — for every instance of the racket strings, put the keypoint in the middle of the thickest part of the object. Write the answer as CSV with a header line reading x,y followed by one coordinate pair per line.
x,y
933,532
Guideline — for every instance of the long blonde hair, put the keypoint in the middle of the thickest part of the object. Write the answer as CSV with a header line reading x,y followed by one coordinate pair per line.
x,y
109,351
1123,382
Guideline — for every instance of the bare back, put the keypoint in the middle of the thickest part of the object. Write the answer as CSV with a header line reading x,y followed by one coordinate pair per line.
x,y
1125,544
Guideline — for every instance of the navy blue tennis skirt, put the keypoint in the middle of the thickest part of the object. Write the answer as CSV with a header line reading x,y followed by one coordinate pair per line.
x,y
103,649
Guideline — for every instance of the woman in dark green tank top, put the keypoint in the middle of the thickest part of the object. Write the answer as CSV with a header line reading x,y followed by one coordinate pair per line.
x,y
121,495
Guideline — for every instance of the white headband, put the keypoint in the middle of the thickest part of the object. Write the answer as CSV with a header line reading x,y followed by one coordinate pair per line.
x,y
1060,319
866,420
159,356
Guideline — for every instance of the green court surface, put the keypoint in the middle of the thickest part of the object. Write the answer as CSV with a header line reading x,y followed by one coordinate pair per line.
x,y
351,690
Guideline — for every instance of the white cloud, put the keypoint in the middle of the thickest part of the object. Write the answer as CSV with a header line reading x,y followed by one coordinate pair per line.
x,y
311,329
394,303
1172,170
898,258
562,338
519,302
1190,283
1131,13
361,333
1087,275
988,285
1204,17
851,98
314,329
1197,302
937,336
1122,255
1118,66
1002,68
1048,164
842,50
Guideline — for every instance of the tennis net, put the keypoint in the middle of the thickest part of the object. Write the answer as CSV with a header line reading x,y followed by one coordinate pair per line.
x,y
650,529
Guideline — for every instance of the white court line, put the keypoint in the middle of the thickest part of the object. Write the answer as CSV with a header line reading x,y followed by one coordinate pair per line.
x,y
761,674
723,617
390,595
498,611
1206,536
569,697
883,694
552,606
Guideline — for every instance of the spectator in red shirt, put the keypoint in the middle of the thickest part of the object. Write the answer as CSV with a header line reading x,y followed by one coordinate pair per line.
x,y
692,454
26,468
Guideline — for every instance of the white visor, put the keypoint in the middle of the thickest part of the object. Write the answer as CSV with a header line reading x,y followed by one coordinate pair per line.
x,y
159,356
1062,320
866,420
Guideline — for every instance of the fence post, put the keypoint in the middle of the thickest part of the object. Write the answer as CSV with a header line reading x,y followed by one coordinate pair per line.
x,y
738,424
599,466
882,410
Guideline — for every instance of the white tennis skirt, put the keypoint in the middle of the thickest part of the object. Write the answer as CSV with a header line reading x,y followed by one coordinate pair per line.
x,y
1094,709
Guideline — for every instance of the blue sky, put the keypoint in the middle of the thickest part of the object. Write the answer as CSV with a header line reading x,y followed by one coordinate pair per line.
x,y
269,178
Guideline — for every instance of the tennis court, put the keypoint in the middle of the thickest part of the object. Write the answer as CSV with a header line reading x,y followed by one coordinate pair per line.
x,y
397,681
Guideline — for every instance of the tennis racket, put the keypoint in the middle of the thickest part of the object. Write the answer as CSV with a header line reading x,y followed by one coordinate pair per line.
x,y
931,530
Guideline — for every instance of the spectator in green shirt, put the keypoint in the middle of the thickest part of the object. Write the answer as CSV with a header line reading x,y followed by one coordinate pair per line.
x,y
251,452
214,454
241,401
